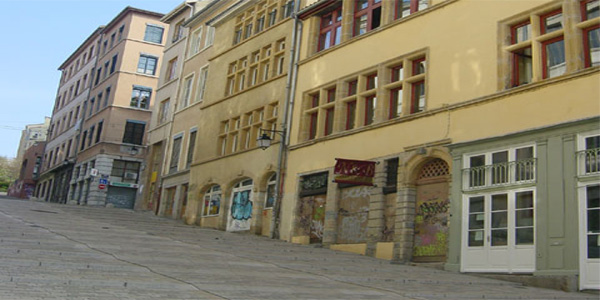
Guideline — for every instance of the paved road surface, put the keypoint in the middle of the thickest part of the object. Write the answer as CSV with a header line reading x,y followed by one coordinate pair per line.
x,y
50,251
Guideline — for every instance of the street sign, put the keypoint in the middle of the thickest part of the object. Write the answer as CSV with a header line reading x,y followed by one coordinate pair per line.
x,y
103,181
102,186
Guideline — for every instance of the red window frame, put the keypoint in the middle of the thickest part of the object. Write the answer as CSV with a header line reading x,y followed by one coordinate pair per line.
x,y
414,99
586,45
394,103
397,73
371,81
352,85
350,114
415,66
369,117
336,21
328,128
545,54
584,16
371,6
330,95
414,7
314,100
312,133
513,31
515,67
546,16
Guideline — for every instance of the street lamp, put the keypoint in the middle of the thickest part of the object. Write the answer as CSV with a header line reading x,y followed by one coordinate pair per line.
x,y
264,140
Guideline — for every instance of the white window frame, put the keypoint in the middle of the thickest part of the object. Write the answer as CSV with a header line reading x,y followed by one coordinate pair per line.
x,y
202,79
488,162
581,154
186,90
196,40
209,37
209,193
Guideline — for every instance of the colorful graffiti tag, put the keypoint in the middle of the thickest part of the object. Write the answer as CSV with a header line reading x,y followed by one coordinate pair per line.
x,y
431,222
241,211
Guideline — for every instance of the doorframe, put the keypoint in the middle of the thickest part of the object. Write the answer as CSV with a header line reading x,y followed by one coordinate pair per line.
x,y
235,189
511,208
582,234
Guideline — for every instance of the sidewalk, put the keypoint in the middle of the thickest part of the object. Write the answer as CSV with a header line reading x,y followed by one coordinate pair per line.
x,y
50,251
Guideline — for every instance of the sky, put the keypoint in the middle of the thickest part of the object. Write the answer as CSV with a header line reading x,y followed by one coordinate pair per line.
x,y
38,36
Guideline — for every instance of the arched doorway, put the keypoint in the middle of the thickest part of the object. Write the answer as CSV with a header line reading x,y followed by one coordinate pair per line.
x,y
432,212
241,206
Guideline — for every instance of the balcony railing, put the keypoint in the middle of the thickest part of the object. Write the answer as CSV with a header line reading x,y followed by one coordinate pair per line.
x,y
508,173
588,161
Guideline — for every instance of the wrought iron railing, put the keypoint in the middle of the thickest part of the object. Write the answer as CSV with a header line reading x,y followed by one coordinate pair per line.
x,y
589,161
508,173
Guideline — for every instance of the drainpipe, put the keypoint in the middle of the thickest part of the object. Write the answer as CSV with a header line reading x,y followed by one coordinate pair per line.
x,y
290,88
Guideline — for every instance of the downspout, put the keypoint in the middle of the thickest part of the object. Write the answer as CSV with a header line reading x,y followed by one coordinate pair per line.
x,y
290,88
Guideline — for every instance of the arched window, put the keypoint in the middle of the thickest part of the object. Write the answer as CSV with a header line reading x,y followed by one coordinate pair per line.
x,y
212,201
270,197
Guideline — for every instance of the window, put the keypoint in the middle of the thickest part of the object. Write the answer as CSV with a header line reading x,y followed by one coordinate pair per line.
x,y
186,93
287,9
112,39
406,7
502,167
83,137
92,101
418,97
330,33
191,147
140,97
367,16
203,75
195,43
588,156
153,34
98,102
106,96
237,35
551,38
370,105
99,132
553,56
91,135
172,69
391,180
260,23
328,121
178,31
270,194
113,64
209,37
212,201
147,64
122,167
272,17
121,30
175,152
163,112
395,103
134,132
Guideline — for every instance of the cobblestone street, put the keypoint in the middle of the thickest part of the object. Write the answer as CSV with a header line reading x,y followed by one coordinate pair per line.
x,y
52,251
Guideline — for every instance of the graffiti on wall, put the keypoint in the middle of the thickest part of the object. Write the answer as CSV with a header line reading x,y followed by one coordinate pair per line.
x,y
312,217
431,221
353,215
241,211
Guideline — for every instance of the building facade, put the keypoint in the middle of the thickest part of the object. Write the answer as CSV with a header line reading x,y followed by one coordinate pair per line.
x,y
67,116
237,90
31,164
33,133
111,148
167,178
484,137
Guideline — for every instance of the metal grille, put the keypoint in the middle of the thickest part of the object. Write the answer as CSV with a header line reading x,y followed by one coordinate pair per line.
x,y
434,168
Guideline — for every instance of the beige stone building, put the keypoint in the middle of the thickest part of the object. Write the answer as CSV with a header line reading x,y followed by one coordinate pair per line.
x,y
480,119
113,134
226,97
